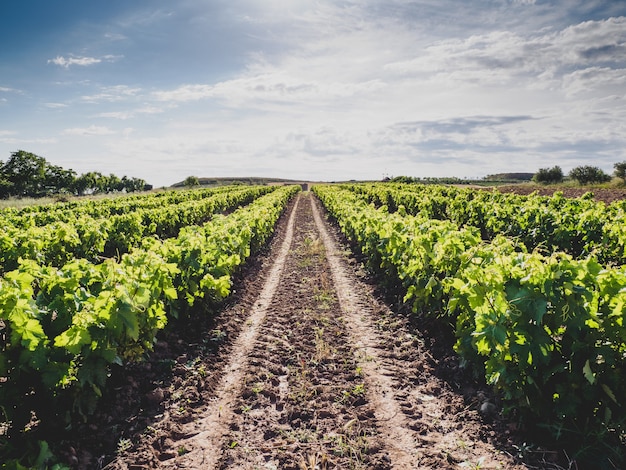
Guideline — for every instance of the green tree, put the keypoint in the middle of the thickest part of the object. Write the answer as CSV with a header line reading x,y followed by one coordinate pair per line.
x,y
114,184
191,181
132,185
58,180
588,175
25,174
620,170
549,175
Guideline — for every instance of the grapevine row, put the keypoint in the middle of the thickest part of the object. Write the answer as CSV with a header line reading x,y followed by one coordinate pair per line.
x,y
85,237
69,211
63,328
550,224
548,331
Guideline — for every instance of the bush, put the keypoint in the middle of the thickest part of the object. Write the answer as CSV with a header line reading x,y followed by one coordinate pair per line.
x,y
589,174
549,175
620,170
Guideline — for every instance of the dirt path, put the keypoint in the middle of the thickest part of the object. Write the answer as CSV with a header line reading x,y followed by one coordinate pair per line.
x,y
321,375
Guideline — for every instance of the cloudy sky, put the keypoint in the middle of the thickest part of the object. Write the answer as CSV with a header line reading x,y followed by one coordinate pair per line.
x,y
321,90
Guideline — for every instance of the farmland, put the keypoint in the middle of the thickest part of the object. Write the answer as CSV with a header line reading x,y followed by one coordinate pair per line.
x,y
384,326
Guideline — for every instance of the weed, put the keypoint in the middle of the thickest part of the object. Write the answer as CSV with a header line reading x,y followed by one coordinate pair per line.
x,y
123,445
218,335
357,391
351,444
323,350
314,462
473,466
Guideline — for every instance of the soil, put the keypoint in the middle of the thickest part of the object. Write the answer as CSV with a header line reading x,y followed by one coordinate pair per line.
x,y
606,195
306,367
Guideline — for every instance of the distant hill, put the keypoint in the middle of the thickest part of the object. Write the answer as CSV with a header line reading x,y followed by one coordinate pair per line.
x,y
510,177
238,180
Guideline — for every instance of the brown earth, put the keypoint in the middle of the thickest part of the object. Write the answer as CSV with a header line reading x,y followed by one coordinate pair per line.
x,y
606,195
305,367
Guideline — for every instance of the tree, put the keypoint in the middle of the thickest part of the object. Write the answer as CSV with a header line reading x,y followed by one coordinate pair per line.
x,y
620,170
28,175
114,184
589,174
58,180
134,184
191,181
549,175
25,174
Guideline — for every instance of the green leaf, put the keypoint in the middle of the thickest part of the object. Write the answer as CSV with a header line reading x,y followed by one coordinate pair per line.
x,y
73,339
44,456
32,334
609,392
589,375
129,318
170,293
499,334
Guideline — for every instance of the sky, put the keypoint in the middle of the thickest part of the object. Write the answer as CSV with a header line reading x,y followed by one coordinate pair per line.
x,y
324,90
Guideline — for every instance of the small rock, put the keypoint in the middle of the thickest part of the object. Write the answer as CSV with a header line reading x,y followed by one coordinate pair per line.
x,y
488,409
155,396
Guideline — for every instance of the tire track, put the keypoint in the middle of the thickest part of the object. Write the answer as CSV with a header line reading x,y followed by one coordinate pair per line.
x,y
302,405
203,446
423,421
399,439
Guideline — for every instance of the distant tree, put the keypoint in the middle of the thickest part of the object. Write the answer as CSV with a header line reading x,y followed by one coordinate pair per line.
x,y
114,184
25,174
135,184
6,186
620,170
89,183
191,181
549,175
402,179
589,174
58,180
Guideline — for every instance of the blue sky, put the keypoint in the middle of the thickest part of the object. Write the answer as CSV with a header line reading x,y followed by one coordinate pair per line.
x,y
321,90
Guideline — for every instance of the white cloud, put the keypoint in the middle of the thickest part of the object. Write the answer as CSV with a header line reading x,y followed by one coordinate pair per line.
x,y
10,138
276,86
330,106
55,105
88,131
592,79
130,114
340,89
112,94
66,62
115,36
509,56
186,93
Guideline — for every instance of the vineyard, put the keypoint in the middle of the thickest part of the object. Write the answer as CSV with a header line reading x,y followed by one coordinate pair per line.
x,y
531,288
90,286
535,288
